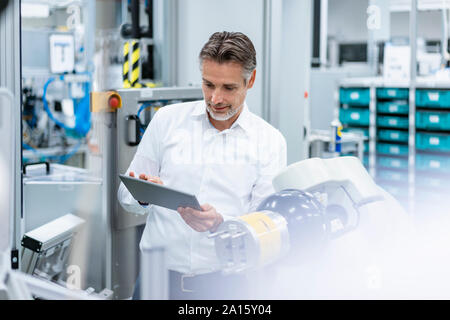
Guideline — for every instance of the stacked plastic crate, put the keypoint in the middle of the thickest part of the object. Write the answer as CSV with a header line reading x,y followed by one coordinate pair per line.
x,y
354,113
432,163
392,122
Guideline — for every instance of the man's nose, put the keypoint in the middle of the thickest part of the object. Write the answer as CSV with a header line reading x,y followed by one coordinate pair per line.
x,y
217,97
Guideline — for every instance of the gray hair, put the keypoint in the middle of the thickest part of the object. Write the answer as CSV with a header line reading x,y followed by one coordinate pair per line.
x,y
230,47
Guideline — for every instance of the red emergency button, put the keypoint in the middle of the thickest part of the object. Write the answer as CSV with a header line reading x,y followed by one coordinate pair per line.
x,y
114,102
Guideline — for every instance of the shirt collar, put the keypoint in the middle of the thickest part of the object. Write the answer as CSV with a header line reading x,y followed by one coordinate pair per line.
x,y
242,121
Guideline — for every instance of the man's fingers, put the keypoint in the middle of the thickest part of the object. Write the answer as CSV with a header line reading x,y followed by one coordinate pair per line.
x,y
198,220
206,207
192,221
147,177
200,215
155,180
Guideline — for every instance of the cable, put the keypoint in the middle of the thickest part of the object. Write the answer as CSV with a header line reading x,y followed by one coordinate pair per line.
x,y
81,110
60,158
142,108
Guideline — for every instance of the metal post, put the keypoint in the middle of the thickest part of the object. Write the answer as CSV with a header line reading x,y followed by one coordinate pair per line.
x,y
412,103
7,237
267,44
372,131
109,123
155,276
89,12
10,78
165,36
323,32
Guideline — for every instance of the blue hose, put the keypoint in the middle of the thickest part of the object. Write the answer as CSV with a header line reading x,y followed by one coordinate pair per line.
x,y
60,159
81,110
142,108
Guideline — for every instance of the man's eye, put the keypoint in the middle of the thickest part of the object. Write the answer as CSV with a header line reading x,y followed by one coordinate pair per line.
x,y
209,85
229,88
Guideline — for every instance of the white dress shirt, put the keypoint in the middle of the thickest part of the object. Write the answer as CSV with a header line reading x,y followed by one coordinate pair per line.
x,y
232,170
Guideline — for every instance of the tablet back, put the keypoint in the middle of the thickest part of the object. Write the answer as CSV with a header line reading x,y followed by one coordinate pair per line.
x,y
156,194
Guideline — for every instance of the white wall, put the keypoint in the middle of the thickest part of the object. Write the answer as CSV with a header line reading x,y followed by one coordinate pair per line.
x,y
198,19
428,24
347,22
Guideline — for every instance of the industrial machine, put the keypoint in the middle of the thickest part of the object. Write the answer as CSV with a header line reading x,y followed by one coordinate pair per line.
x,y
318,205
47,253
57,81
119,119
262,237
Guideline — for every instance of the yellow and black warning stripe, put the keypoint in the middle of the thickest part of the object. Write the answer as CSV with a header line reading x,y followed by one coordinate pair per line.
x,y
126,65
135,67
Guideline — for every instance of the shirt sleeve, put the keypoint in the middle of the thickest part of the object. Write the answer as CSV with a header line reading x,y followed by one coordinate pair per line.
x,y
146,160
272,164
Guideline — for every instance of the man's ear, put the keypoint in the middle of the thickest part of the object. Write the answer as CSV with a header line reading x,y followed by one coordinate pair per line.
x,y
252,80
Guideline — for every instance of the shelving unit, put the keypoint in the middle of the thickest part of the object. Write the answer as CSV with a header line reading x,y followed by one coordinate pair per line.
x,y
432,148
354,113
409,137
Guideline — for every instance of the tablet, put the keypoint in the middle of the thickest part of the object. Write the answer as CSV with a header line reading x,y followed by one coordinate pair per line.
x,y
159,195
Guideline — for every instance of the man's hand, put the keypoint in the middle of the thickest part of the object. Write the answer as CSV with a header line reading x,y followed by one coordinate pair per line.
x,y
207,220
147,177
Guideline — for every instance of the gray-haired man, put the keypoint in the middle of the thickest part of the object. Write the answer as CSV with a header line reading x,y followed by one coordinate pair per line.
x,y
216,149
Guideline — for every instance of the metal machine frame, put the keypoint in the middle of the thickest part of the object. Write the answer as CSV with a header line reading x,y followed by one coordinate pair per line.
x,y
9,79
43,242
122,252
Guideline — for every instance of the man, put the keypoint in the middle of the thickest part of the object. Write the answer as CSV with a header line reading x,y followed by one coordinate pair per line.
x,y
216,149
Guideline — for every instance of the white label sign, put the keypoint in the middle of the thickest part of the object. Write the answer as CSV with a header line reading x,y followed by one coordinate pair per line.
x,y
434,141
396,62
434,119
394,150
393,122
62,53
396,163
354,95
355,116
393,108
435,164
433,96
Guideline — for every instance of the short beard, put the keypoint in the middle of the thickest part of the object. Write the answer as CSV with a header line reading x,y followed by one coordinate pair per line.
x,y
230,114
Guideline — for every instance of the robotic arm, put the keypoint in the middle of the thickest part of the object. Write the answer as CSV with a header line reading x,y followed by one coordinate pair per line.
x,y
316,200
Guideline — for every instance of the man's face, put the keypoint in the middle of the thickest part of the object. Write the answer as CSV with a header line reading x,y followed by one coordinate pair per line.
x,y
224,89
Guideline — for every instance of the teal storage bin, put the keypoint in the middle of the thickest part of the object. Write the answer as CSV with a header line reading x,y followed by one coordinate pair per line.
x,y
433,141
398,192
437,183
433,98
364,131
366,146
429,196
354,116
433,120
366,161
393,107
433,163
393,122
393,135
355,96
392,163
392,93
392,149
393,175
